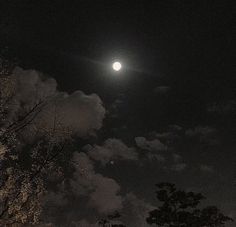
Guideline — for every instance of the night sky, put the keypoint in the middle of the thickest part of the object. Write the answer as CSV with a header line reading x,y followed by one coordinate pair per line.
x,y
169,112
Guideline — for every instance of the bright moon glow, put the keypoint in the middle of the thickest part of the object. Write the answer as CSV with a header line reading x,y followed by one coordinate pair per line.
x,y
116,66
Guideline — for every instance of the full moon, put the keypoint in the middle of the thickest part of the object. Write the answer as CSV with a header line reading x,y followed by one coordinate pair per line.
x,y
116,66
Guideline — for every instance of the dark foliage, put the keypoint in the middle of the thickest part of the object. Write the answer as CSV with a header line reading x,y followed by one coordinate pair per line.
x,y
179,209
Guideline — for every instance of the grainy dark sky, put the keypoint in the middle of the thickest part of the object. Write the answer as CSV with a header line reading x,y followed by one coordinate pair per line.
x,y
177,85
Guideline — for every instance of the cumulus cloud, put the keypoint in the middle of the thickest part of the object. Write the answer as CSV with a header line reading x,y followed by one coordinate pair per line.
x,y
77,113
112,149
150,145
173,134
153,149
154,152
105,197
103,192
59,112
31,87
156,157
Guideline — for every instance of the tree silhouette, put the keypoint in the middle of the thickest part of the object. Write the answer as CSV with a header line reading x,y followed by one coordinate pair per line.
x,y
24,167
179,209
107,222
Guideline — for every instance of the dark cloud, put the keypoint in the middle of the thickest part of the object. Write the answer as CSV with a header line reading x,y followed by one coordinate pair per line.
x,y
154,149
135,211
222,108
84,223
172,134
156,157
177,158
150,145
164,153
112,149
103,192
177,164
207,168
178,167
204,134
55,199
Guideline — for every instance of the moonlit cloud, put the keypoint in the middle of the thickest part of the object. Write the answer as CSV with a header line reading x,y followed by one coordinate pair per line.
x,y
150,145
112,149
60,113
32,87
103,191
79,113
105,196
138,94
